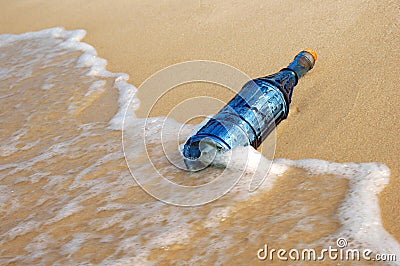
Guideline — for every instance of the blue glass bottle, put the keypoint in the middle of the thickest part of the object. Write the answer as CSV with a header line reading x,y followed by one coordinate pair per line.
x,y
250,116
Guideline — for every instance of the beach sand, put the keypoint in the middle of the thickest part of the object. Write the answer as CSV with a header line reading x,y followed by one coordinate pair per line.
x,y
346,109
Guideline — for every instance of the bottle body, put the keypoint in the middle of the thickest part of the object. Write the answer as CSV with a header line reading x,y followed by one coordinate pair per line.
x,y
249,117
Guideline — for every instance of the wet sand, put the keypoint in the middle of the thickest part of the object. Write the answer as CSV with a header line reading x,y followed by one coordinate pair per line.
x,y
346,109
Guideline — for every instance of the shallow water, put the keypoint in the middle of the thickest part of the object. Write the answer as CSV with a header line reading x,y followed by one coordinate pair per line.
x,y
68,197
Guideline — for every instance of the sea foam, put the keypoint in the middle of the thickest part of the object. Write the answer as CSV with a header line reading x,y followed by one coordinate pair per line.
x,y
68,192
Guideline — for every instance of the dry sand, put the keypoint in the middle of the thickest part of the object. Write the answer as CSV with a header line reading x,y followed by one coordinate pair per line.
x,y
346,109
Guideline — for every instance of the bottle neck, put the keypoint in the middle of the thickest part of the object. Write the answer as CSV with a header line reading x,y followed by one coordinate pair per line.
x,y
302,63
287,78
284,80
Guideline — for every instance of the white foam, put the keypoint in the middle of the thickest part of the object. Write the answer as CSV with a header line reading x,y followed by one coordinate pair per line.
x,y
47,86
359,213
102,180
216,216
95,90
128,103
76,243
67,210
21,229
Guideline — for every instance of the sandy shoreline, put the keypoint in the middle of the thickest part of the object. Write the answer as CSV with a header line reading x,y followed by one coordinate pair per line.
x,y
346,108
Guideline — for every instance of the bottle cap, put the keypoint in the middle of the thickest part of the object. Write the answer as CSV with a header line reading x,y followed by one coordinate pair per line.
x,y
312,52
